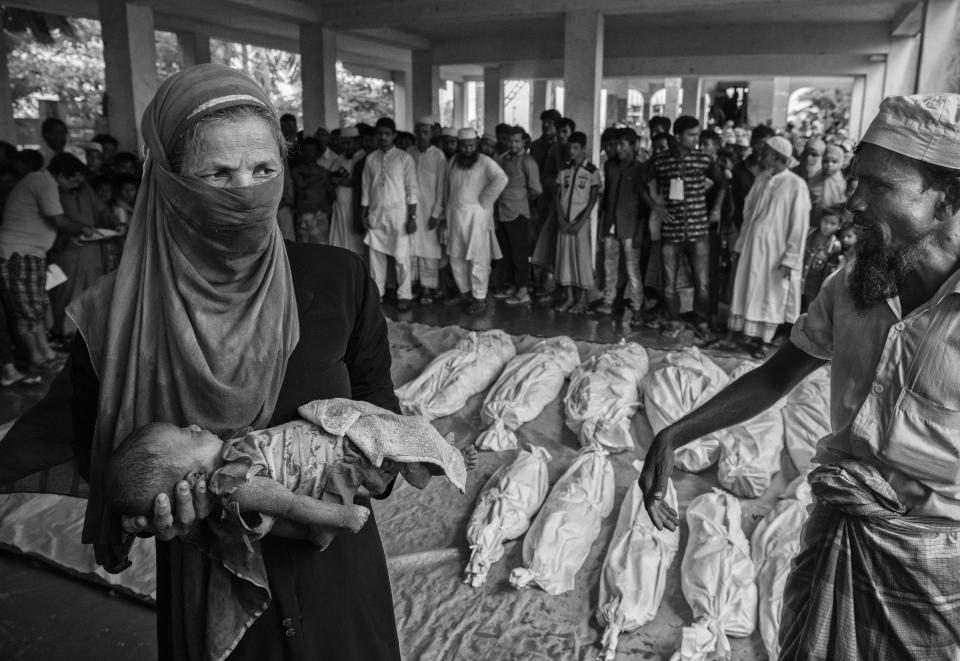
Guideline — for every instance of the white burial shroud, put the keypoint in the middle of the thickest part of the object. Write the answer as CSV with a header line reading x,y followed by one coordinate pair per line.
x,y
717,578
603,395
528,383
806,418
686,382
561,536
507,504
750,452
634,574
454,376
774,544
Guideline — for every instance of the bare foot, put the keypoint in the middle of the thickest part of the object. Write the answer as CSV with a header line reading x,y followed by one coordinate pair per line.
x,y
470,456
357,516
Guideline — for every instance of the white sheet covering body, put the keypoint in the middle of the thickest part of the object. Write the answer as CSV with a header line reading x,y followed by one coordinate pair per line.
x,y
603,395
687,381
528,383
563,532
456,375
806,418
634,574
750,452
717,578
774,543
507,504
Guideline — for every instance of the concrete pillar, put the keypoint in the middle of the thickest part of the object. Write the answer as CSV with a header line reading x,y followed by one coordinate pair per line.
x,y
130,67
938,50
426,84
538,102
872,95
781,101
691,96
459,105
402,100
856,107
583,73
760,101
8,128
671,107
902,59
492,99
318,75
194,48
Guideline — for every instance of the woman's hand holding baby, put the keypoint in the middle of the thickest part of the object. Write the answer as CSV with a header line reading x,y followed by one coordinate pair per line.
x,y
168,523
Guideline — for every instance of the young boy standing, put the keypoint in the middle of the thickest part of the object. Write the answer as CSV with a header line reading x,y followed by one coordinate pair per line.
x,y
578,186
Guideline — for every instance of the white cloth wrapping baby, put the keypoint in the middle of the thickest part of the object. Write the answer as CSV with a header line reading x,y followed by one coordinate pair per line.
x,y
603,395
528,383
560,538
806,418
687,381
773,545
717,578
634,574
507,504
454,376
750,452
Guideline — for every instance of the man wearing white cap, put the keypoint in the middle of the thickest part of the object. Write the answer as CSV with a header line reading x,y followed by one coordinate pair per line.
x,y
776,216
342,226
388,205
448,142
474,183
876,576
426,251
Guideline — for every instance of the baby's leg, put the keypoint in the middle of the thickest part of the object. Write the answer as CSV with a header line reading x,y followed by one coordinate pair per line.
x,y
262,494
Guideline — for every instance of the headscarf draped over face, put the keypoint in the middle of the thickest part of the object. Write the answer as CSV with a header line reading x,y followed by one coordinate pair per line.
x,y
197,324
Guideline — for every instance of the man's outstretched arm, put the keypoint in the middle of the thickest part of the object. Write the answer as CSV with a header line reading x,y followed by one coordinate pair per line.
x,y
742,400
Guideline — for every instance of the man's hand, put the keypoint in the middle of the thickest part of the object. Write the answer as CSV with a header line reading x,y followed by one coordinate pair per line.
x,y
432,223
715,216
411,224
785,271
167,524
657,468
663,213
366,219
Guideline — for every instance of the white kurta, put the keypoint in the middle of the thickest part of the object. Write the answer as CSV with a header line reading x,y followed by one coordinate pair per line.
x,y
389,185
432,180
776,215
342,232
471,194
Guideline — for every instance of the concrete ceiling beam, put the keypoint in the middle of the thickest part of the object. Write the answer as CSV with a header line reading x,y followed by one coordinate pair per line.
x,y
908,21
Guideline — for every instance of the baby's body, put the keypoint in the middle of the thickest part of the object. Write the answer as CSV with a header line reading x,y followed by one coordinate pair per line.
x,y
296,471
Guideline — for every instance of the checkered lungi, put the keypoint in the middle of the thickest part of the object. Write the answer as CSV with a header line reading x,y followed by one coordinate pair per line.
x,y
23,279
869,582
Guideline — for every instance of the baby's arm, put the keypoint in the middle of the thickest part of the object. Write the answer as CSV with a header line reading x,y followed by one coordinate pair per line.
x,y
267,496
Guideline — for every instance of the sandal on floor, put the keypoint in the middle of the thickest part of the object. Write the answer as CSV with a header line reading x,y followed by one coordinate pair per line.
x,y
758,351
563,307
671,333
24,381
578,309
52,366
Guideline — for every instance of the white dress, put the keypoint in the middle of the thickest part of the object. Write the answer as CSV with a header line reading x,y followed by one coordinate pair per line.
x,y
389,185
470,198
432,179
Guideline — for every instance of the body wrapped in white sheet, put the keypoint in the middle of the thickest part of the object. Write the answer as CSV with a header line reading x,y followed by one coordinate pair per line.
x,y
634,573
507,504
527,384
750,452
686,382
604,394
561,536
806,418
717,578
773,545
454,376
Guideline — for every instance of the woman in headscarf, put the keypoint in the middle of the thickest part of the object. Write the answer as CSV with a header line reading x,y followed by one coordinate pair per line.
x,y
828,188
211,319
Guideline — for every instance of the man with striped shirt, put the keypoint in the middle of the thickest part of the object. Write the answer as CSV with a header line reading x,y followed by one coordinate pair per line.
x,y
683,177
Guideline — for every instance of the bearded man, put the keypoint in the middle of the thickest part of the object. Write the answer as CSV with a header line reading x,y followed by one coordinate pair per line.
x,y
474,183
876,577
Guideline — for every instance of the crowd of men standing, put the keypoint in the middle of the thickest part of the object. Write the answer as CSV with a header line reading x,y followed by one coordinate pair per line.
x,y
446,214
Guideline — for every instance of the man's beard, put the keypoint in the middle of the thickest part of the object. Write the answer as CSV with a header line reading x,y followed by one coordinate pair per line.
x,y
467,161
880,271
